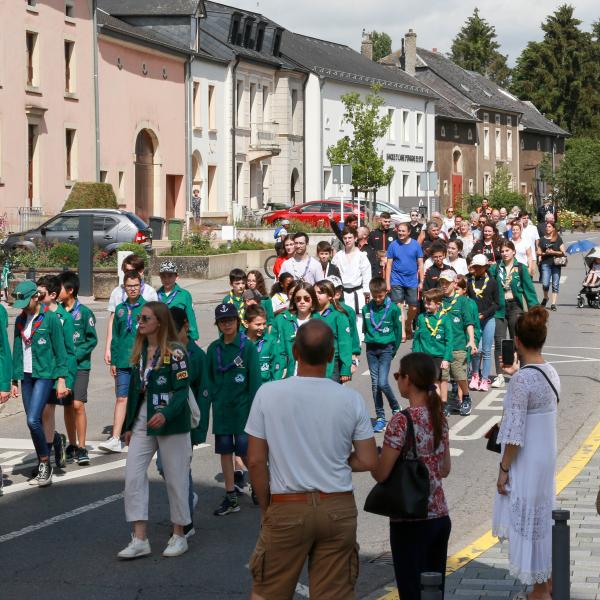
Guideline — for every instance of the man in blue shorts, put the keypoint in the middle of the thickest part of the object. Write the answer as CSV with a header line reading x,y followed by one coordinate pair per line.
x,y
404,275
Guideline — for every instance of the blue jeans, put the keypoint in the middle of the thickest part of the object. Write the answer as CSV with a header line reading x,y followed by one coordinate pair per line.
x,y
35,393
550,273
191,492
484,356
379,359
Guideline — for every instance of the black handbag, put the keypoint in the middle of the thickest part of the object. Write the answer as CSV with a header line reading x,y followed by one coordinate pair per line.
x,y
405,493
492,439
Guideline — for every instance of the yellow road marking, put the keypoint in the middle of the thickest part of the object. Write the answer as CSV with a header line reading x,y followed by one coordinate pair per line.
x,y
487,540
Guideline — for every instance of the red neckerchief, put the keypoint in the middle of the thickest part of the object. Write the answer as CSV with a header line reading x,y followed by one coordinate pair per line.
x,y
22,319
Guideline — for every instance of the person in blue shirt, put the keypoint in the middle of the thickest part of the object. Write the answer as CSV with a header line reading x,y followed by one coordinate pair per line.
x,y
404,276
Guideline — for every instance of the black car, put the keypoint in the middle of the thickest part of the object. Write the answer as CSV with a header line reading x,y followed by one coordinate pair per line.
x,y
111,229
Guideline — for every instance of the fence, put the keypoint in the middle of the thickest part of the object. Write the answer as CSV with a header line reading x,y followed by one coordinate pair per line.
x,y
22,218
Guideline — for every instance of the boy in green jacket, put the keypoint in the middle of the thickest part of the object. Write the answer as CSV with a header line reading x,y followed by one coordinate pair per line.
x,y
352,320
237,281
233,378
124,330
5,366
85,340
267,346
382,328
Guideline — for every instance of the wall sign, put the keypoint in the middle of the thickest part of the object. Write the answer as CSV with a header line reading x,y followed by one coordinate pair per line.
x,y
404,158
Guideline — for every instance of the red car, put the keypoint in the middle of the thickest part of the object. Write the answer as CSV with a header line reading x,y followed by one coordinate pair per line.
x,y
315,213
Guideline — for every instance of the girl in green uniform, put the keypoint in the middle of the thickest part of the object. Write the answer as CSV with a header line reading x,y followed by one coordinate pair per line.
x,y
256,281
340,369
352,320
269,354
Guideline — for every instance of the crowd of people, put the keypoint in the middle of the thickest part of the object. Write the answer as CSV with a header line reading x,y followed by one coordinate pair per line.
x,y
452,288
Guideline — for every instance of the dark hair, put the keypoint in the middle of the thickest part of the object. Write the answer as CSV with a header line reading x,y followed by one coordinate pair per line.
x,y
434,295
131,274
278,286
260,281
134,261
348,231
70,281
326,286
403,225
179,317
51,283
324,246
377,285
237,275
287,238
351,218
422,373
532,329
309,289
314,343
301,234
461,282
458,242
437,247
385,215
253,311
507,244
523,213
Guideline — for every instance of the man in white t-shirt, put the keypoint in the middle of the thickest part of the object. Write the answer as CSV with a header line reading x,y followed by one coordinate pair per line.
x,y
302,266
303,474
529,231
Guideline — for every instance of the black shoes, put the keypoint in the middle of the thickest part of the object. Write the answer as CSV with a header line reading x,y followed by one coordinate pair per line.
x,y
544,302
71,453
82,457
60,457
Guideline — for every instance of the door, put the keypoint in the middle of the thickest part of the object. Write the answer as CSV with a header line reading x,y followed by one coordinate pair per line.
x,y
173,184
456,189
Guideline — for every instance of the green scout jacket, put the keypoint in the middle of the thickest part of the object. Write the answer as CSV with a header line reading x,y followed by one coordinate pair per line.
x,y
521,285
197,365
268,306
352,322
342,341
436,341
284,331
238,302
232,386
167,392
122,340
48,353
85,337
461,315
182,299
69,335
5,355
389,330
270,358
473,312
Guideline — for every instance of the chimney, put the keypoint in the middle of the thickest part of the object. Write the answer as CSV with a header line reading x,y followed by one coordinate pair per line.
x,y
366,46
410,52
434,50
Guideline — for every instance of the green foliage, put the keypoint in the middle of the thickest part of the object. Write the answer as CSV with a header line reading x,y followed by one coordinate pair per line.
x,y
546,174
501,193
36,258
579,176
360,150
567,219
250,244
295,226
382,44
135,248
200,245
64,255
103,259
89,194
475,48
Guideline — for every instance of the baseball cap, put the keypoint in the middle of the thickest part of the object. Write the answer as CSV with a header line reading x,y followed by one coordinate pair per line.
x,y
397,219
479,260
285,222
226,311
337,282
168,266
23,293
448,275
252,295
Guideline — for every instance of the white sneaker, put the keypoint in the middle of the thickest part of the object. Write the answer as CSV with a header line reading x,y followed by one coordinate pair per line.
x,y
112,444
135,548
195,501
176,547
499,382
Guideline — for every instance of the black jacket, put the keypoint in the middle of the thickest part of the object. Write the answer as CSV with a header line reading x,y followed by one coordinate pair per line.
x,y
376,270
380,239
489,301
432,276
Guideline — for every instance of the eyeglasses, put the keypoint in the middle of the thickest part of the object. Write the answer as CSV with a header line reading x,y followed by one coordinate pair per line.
x,y
143,318
132,287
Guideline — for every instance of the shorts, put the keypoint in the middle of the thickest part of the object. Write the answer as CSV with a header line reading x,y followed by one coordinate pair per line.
x,y
80,388
437,360
401,293
54,399
458,367
230,443
122,383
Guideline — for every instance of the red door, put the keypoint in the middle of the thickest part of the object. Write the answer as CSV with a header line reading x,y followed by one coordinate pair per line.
x,y
456,188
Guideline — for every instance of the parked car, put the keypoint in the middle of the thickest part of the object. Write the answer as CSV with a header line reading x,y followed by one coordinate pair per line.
x,y
315,213
111,228
380,206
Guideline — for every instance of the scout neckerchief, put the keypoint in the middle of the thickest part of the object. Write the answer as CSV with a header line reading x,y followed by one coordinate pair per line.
x,y
166,299
236,362
124,298
479,291
506,278
145,372
37,321
433,330
326,312
260,343
74,312
242,305
450,306
387,306
130,309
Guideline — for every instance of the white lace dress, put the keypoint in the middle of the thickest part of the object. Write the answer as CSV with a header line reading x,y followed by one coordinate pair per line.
x,y
524,516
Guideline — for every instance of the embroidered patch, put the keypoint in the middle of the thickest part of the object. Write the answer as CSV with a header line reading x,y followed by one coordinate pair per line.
x,y
347,329
161,380
385,330
175,366
76,336
182,364
177,354
91,321
164,399
238,378
166,359
42,341
205,393
78,317
121,312
182,375
265,367
457,319
155,399
438,336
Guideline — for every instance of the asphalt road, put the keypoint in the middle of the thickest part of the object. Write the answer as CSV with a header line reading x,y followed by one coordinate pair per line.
x,y
61,542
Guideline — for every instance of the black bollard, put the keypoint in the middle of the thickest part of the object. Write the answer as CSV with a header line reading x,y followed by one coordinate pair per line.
x,y
561,555
431,583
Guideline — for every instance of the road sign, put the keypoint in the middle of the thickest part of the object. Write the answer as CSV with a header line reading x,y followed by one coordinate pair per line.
x,y
428,181
341,174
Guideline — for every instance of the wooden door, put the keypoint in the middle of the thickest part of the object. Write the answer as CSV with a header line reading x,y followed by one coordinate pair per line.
x,y
456,188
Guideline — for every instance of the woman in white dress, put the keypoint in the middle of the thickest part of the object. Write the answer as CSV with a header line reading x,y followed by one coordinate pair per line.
x,y
526,480
524,255
465,235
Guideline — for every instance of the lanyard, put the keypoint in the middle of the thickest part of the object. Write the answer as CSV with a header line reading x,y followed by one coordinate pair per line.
x,y
479,291
168,299
130,309
260,344
377,326
236,362
434,330
75,310
37,321
145,372
451,305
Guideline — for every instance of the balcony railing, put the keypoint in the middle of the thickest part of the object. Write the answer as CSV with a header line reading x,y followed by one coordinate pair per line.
x,y
263,136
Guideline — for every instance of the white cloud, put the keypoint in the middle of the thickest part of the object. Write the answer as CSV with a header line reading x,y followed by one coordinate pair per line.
x,y
436,22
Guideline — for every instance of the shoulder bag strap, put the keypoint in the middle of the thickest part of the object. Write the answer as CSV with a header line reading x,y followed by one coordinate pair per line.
x,y
546,378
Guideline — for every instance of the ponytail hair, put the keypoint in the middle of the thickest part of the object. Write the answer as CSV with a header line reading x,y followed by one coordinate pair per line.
x,y
326,286
422,373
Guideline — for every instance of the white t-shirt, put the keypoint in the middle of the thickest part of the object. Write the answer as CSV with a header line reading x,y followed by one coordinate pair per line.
x,y
309,424
118,296
27,356
531,235
521,250
308,270
459,265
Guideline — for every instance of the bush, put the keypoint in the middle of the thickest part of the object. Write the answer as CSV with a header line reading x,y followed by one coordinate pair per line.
x,y
31,259
66,255
87,194
104,259
135,248
566,219
249,244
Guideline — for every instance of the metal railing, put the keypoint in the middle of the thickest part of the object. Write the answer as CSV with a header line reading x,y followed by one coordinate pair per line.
x,y
264,135
21,218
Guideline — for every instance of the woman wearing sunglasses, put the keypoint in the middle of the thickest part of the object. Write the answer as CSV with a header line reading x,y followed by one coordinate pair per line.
x,y
157,418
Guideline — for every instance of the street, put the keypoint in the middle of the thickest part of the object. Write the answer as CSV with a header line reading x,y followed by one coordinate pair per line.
x,y
61,541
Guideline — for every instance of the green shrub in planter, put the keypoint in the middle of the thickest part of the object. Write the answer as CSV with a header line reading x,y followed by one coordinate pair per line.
x,y
135,248
66,255
88,194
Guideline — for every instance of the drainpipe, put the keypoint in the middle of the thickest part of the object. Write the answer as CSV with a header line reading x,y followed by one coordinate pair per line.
x,y
304,138
188,139
233,128
321,153
96,88
425,158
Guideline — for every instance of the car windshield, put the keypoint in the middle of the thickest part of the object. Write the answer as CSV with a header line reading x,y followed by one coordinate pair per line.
x,y
136,221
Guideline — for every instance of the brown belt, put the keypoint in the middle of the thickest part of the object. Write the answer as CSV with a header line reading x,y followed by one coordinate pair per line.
x,y
304,496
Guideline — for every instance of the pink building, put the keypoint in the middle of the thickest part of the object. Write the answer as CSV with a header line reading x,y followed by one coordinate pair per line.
x,y
47,138
142,118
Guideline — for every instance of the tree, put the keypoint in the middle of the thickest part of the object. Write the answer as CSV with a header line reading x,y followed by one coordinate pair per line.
x,y
501,193
475,48
547,174
561,74
360,150
382,44
579,176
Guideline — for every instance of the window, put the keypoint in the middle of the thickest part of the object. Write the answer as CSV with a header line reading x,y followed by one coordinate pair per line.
x,y
295,124
121,185
253,115
276,42
196,105
486,118
421,128
498,145
238,180
419,183
327,123
31,3
405,185
497,119
486,142
341,124
470,134
455,128
405,127
511,184
33,160
522,144
70,8
70,155
443,131
486,183
260,36
509,121
240,107
445,187
471,191
32,74
69,67
391,134
103,176
538,146
509,148
248,33
265,103
235,28
64,224
211,108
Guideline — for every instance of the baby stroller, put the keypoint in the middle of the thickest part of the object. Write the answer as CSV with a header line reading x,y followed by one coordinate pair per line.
x,y
590,293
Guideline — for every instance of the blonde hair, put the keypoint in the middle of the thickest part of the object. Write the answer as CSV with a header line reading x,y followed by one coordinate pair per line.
x,y
167,335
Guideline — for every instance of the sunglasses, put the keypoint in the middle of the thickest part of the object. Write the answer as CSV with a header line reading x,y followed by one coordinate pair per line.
x,y
143,318
22,296
302,298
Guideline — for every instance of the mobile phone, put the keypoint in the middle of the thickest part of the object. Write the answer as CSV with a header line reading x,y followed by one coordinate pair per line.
x,y
508,353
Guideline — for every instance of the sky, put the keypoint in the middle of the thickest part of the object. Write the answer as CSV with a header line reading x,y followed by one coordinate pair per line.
x,y
436,23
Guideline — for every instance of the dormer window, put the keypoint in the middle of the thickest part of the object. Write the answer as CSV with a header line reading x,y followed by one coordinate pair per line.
x,y
277,42
236,21
260,36
248,42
